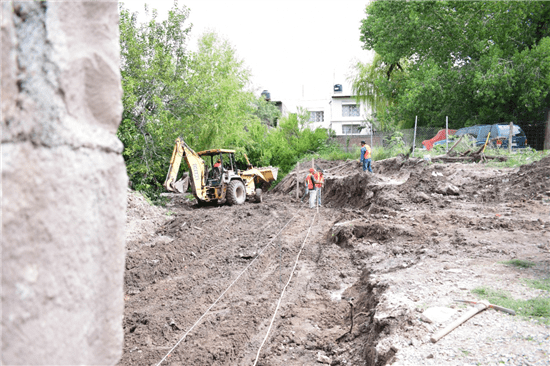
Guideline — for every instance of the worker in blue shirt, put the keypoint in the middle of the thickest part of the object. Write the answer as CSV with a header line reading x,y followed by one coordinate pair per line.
x,y
366,157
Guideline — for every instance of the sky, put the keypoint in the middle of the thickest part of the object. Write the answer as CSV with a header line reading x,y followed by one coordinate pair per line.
x,y
295,49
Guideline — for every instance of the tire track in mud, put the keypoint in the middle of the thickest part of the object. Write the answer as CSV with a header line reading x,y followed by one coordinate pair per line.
x,y
243,316
240,301
238,319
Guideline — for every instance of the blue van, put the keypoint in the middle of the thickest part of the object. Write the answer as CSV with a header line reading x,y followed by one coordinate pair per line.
x,y
500,133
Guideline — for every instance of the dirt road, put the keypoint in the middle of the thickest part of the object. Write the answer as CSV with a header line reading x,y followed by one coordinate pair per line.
x,y
412,236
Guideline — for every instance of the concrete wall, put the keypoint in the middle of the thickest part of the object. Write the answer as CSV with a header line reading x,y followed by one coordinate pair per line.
x,y
63,184
351,143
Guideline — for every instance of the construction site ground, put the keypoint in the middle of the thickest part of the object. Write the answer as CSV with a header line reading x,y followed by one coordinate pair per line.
x,y
401,243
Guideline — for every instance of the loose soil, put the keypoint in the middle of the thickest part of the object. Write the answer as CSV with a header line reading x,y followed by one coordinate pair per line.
x,y
410,237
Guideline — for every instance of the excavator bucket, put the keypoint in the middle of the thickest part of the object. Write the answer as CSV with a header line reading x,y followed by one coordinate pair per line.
x,y
182,184
269,173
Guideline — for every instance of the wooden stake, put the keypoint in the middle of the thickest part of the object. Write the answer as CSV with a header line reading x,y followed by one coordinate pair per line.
x,y
456,143
297,181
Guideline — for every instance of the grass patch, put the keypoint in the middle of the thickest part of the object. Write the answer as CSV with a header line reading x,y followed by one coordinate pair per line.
x,y
543,284
519,263
381,153
517,158
538,308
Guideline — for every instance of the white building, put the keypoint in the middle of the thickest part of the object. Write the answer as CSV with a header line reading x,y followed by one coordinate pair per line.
x,y
340,113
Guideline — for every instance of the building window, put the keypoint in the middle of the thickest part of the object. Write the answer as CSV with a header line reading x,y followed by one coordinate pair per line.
x,y
350,129
316,116
350,110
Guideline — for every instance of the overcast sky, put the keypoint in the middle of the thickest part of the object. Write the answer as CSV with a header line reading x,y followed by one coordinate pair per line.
x,y
296,49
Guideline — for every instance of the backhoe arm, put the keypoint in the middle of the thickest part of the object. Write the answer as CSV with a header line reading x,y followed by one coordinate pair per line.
x,y
196,167
175,162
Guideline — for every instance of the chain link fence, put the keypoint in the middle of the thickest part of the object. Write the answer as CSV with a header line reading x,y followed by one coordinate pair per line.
x,y
535,132
350,142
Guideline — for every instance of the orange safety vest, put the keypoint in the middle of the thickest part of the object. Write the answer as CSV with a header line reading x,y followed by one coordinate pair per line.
x,y
320,180
367,152
309,182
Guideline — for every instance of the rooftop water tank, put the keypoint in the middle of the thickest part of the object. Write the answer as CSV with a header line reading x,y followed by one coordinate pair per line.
x,y
266,95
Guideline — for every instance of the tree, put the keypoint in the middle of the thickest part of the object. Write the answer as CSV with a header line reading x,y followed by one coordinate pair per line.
x,y
267,111
292,139
366,82
219,94
477,62
153,64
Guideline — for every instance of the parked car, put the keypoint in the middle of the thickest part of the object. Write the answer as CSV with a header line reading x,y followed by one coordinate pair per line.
x,y
500,133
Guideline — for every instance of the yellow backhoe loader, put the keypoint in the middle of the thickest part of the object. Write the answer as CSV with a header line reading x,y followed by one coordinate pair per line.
x,y
219,179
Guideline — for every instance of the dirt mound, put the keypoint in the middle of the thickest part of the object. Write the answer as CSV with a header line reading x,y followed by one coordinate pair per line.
x,y
347,186
143,220
529,182
350,191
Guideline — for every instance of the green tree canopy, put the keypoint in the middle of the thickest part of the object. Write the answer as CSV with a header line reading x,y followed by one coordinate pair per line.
x,y
154,61
476,62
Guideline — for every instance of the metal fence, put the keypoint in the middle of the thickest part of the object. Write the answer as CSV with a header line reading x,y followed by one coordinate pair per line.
x,y
535,132
350,142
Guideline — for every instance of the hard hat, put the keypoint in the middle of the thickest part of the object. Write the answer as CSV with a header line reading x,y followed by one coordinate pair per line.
x,y
311,170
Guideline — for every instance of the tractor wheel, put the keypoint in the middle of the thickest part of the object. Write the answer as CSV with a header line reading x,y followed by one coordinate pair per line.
x,y
259,195
236,193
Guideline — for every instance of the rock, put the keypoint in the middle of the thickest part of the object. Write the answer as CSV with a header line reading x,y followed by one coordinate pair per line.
x,y
421,197
323,359
438,314
448,189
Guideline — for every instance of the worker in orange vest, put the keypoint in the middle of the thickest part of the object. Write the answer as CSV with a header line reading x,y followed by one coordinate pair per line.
x,y
218,163
218,169
310,185
366,157
320,183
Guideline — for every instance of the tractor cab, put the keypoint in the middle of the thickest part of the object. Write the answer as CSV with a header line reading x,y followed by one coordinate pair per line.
x,y
221,163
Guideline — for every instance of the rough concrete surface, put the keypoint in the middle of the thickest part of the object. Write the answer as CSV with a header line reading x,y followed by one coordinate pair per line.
x,y
63,184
